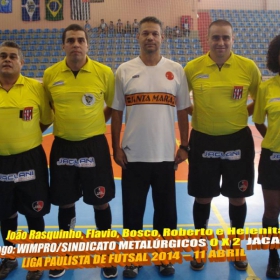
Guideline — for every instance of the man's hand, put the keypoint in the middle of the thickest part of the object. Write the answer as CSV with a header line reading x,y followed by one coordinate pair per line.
x,y
120,158
181,156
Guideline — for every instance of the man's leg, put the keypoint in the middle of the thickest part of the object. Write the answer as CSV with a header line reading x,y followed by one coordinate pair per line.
x,y
164,199
135,187
270,219
8,265
201,214
66,221
37,224
237,216
67,217
103,216
103,221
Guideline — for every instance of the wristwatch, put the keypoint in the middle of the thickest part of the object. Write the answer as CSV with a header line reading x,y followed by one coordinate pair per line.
x,y
185,148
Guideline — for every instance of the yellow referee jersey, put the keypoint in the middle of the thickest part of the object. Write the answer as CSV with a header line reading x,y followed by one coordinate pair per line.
x,y
220,94
268,105
78,102
21,110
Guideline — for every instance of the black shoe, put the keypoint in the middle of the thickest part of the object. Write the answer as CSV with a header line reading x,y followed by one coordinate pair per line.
x,y
273,269
34,275
166,269
131,271
110,272
197,265
241,265
55,273
7,266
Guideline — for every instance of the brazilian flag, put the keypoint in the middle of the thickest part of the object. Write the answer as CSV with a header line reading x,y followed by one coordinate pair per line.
x,y
54,10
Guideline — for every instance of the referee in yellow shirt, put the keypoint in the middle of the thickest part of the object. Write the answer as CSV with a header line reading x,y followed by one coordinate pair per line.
x,y
24,187
267,120
80,162
221,157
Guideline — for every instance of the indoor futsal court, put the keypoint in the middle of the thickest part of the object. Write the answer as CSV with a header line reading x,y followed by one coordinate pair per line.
x,y
255,23
218,219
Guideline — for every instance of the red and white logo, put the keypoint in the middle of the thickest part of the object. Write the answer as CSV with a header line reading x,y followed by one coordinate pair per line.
x,y
169,75
237,92
38,205
27,114
99,192
243,185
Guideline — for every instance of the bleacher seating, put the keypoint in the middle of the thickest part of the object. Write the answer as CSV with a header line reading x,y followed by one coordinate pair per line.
x,y
253,32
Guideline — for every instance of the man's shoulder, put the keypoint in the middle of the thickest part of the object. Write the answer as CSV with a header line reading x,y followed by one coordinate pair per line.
x,y
270,82
197,61
30,85
245,63
54,67
99,66
132,62
173,63
31,81
243,59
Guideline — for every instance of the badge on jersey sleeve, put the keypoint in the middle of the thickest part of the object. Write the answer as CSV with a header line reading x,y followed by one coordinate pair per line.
x,y
237,92
26,114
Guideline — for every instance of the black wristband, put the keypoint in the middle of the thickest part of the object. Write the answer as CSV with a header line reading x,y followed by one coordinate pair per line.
x,y
185,148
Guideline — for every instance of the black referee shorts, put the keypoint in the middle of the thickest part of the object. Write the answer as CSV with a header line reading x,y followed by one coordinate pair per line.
x,y
81,168
269,170
24,184
221,164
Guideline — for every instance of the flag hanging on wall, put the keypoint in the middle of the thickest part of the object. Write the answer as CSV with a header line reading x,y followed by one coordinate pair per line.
x,y
54,10
80,10
30,10
6,6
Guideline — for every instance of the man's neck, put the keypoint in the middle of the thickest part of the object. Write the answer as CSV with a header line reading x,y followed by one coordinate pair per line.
x,y
76,65
150,60
219,61
7,83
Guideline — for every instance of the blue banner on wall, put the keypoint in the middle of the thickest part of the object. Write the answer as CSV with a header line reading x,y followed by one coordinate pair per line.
x,y
30,10
6,6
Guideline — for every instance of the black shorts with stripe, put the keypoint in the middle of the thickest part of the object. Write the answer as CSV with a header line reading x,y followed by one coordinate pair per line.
x,y
24,184
269,170
81,168
221,164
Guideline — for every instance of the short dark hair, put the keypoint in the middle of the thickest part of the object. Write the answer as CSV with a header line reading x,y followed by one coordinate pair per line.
x,y
272,57
219,22
11,44
150,19
74,27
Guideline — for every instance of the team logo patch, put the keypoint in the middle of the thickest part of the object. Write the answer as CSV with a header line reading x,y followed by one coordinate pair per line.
x,y
243,185
27,114
237,92
277,99
203,76
275,156
169,75
99,192
38,205
88,99
58,83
